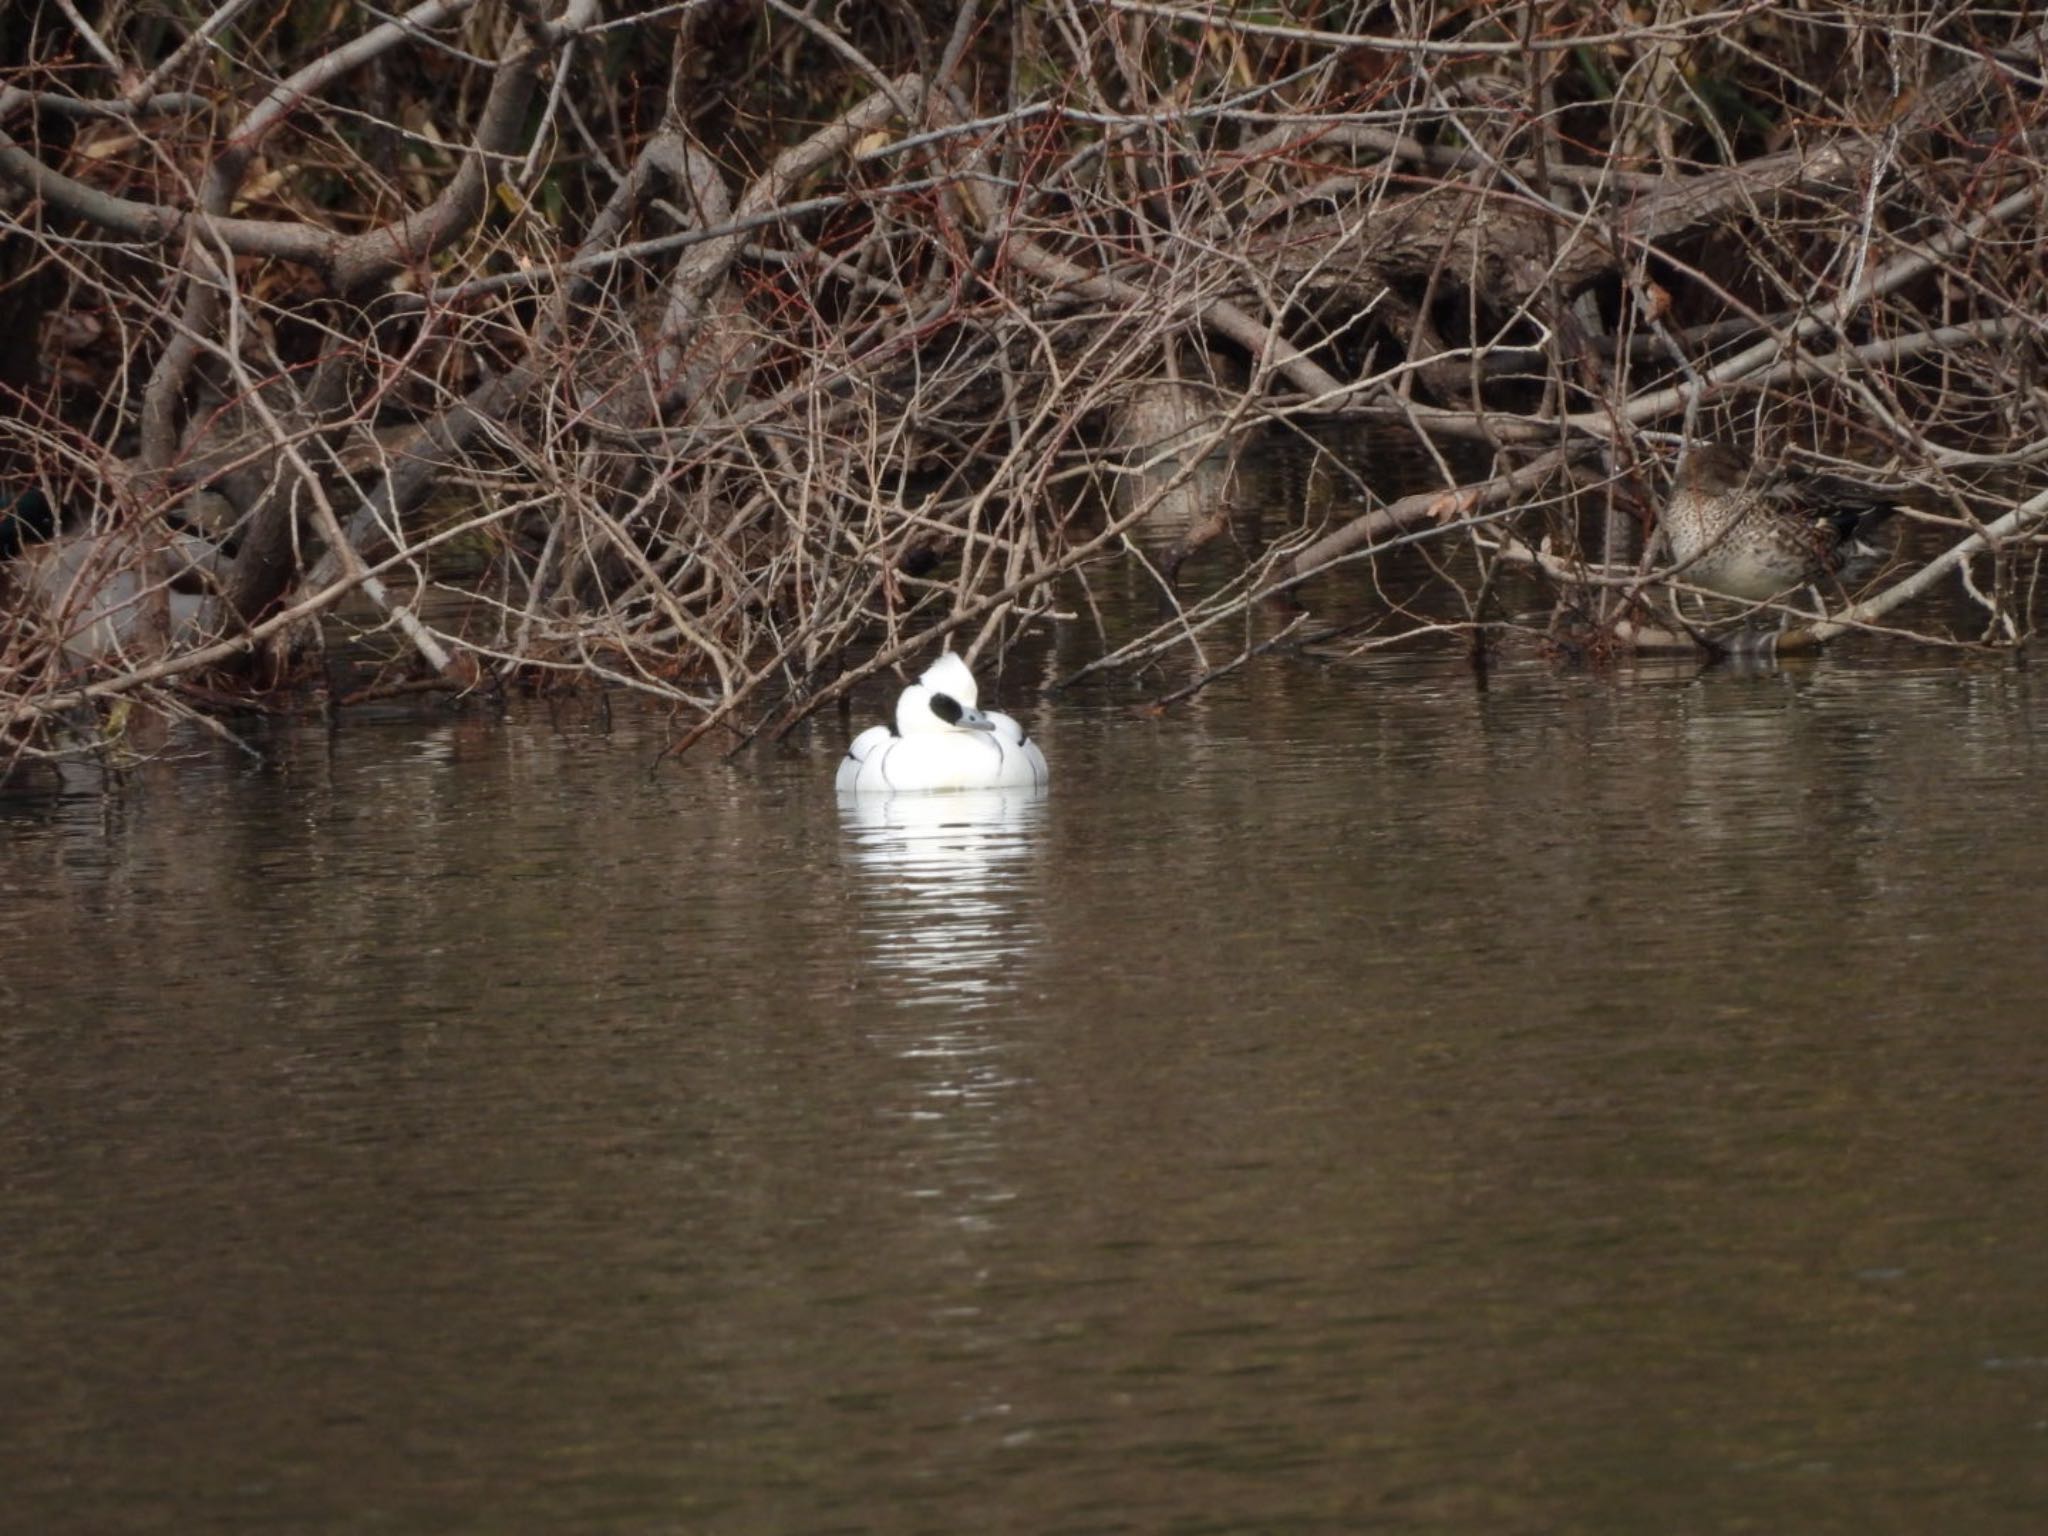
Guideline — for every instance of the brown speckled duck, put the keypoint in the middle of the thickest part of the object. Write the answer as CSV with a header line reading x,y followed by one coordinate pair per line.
x,y
1751,533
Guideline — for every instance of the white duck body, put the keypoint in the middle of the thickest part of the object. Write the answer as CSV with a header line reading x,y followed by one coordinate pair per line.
x,y
942,741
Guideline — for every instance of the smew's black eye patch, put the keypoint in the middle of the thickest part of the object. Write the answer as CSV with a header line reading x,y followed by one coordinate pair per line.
x,y
946,707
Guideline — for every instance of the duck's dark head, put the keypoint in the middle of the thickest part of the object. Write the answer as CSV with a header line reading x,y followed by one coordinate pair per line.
x,y
25,519
1712,468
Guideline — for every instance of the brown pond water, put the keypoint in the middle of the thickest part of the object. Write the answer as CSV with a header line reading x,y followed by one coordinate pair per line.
x,y
1357,1101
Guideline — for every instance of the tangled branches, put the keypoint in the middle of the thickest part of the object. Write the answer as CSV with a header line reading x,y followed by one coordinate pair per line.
x,y
710,349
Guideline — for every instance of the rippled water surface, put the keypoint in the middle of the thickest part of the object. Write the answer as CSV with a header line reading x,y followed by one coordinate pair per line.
x,y
1358,1100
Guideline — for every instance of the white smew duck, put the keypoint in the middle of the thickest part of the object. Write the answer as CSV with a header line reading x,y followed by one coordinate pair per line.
x,y
941,741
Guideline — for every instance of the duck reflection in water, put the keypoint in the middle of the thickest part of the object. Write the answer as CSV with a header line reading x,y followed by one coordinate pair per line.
x,y
948,898
949,909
